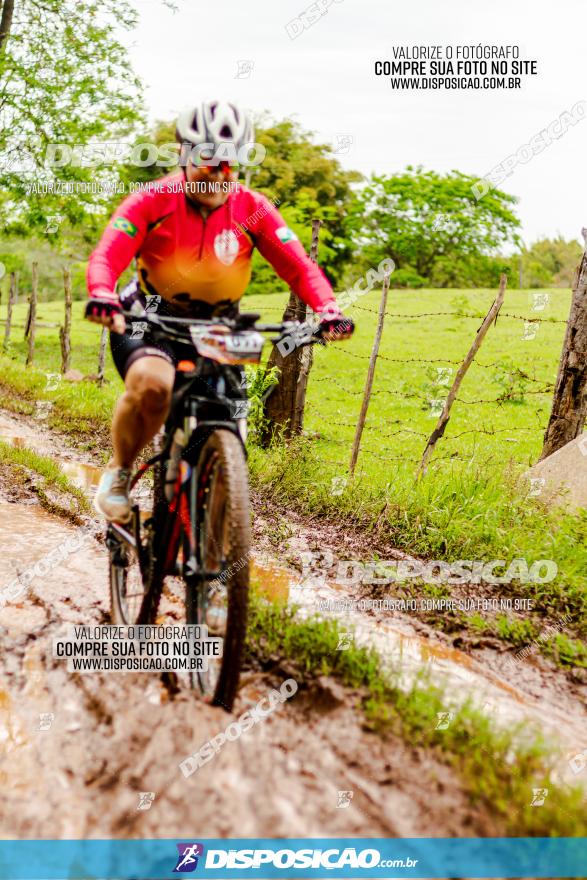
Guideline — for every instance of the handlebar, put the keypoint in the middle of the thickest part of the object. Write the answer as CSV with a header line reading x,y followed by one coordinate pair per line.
x,y
244,321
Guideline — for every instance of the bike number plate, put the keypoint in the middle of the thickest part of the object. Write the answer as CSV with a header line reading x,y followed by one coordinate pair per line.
x,y
220,345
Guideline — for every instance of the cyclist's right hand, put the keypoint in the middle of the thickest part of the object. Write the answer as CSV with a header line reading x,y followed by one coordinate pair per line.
x,y
104,307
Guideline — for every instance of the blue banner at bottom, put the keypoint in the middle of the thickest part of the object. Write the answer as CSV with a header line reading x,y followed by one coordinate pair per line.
x,y
301,857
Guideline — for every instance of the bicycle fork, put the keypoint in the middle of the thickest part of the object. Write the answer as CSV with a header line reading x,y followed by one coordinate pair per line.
x,y
182,509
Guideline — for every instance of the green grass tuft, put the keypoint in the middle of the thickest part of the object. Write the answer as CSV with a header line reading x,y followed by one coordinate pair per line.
x,y
48,477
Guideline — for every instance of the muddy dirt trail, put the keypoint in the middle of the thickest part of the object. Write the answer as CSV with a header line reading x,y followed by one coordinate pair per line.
x,y
78,750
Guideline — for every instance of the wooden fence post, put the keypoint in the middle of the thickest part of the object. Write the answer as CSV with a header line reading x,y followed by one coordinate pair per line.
x,y
316,224
32,314
490,317
569,404
306,353
11,299
370,375
284,407
65,331
102,355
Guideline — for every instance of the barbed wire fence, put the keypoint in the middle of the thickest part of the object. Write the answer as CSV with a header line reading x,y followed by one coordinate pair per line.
x,y
32,323
569,403
435,404
568,396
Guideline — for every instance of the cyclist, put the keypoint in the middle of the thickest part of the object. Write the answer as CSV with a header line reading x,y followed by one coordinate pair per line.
x,y
192,233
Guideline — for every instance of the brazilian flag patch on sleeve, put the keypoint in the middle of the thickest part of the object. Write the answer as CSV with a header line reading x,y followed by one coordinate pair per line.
x,y
125,226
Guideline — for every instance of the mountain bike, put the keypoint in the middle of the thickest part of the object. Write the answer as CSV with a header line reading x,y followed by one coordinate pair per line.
x,y
190,525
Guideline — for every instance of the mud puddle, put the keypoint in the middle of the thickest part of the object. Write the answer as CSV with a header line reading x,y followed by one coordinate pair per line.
x,y
520,694
408,657
19,434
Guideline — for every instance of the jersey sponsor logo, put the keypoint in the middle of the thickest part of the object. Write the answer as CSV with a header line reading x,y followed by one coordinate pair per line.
x,y
285,234
125,226
226,247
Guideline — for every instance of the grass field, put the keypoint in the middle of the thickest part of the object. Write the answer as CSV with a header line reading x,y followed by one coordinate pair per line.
x,y
418,358
470,505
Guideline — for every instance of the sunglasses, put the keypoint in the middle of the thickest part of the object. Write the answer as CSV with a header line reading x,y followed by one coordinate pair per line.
x,y
209,168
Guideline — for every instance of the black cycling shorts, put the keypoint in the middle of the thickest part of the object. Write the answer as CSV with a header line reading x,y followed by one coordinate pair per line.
x,y
134,344
126,350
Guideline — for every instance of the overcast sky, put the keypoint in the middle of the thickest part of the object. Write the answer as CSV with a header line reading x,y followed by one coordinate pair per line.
x,y
324,78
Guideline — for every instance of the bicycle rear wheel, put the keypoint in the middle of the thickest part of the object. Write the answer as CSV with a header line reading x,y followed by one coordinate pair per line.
x,y
218,597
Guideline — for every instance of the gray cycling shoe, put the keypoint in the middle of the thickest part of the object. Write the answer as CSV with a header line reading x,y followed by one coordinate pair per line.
x,y
111,498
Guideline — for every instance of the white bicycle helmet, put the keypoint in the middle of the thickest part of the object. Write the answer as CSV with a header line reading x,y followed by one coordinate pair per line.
x,y
214,122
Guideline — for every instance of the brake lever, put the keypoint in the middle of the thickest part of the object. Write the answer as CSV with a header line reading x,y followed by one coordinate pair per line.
x,y
156,325
302,335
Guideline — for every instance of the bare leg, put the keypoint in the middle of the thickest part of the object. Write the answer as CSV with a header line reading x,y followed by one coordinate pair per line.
x,y
142,409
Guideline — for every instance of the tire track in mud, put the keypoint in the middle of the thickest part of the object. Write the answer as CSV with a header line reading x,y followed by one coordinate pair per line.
x,y
113,736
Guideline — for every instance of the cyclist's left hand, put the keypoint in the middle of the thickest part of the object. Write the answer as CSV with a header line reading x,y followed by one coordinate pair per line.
x,y
334,326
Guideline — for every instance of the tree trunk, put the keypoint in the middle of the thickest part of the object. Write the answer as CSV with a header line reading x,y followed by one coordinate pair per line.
x,y
33,314
284,408
569,405
65,331
6,21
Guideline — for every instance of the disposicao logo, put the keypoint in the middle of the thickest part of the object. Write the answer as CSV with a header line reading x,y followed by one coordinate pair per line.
x,y
187,860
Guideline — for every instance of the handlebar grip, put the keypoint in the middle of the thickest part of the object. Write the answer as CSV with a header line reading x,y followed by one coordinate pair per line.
x,y
339,325
102,308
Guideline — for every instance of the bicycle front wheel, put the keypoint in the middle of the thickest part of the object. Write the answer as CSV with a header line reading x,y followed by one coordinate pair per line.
x,y
127,589
219,597
134,589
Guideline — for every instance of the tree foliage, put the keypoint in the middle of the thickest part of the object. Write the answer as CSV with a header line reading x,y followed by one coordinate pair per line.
x,y
64,78
433,227
549,262
308,182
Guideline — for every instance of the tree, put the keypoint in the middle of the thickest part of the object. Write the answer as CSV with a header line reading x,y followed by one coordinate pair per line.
x,y
432,226
549,262
64,79
309,183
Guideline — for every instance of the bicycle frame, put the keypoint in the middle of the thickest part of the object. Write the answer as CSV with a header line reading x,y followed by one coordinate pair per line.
x,y
199,406
170,516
